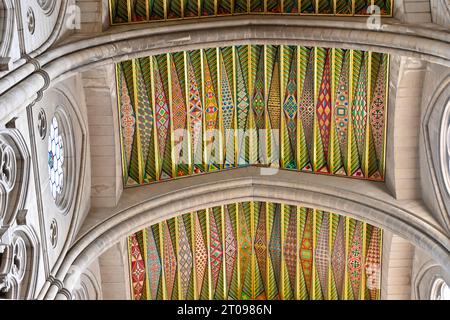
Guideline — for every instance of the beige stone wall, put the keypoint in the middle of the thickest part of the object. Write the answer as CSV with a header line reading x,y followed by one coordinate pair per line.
x,y
404,112
399,266
94,15
115,274
101,104
413,11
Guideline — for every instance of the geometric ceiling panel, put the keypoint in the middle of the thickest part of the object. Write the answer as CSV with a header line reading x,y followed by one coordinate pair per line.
x,y
256,250
308,109
135,11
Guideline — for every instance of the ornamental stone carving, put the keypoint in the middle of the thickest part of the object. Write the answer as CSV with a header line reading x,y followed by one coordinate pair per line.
x,y
18,264
54,233
31,21
18,243
42,124
14,175
7,166
47,6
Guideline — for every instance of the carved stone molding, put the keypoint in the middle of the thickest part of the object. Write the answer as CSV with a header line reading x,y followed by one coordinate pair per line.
x,y
423,280
14,176
88,287
19,264
47,6
31,21
8,27
19,246
440,290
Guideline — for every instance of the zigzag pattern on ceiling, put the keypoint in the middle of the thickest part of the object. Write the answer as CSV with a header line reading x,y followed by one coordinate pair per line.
x,y
256,250
298,108
133,11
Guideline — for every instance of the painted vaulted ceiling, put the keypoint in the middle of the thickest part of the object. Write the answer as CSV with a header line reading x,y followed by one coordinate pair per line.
x,y
256,250
129,11
307,109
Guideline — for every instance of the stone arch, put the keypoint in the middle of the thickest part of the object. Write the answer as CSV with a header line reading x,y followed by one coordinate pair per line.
x,y
8,28
66,60
88,288
440,290
435,128
194,193
425,278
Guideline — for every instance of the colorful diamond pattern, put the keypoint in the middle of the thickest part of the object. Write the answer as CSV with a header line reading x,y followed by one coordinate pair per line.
x,y
214,92
273,247
215,250
137,269
324,106
185,260
355,260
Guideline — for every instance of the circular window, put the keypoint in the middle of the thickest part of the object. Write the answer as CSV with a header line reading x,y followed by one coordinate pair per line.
x,y
440,290
56,159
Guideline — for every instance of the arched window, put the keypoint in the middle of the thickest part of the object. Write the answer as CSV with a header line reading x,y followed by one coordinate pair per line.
x,y
56,158
60,163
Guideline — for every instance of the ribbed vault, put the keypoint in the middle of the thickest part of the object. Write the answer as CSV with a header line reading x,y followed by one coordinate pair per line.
x,y
308,109
259,251
122,11
22,85
145,206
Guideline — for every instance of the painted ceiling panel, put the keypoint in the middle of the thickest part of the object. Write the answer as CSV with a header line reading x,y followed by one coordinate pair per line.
x,y
135,11
307,109
257,250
